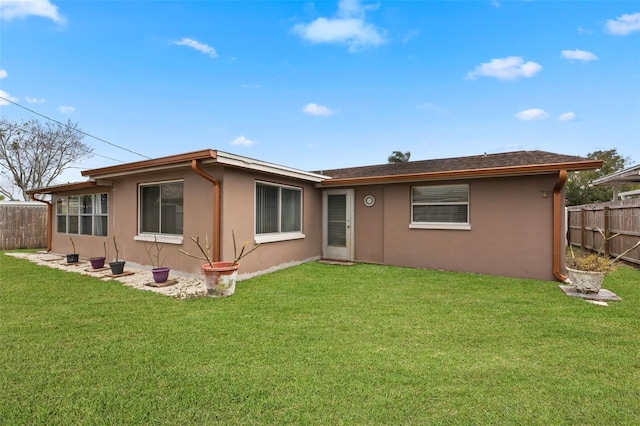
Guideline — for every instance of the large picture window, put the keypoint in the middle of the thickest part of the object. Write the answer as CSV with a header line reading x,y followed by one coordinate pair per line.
x,y
161,208
278,211
82,214
440,207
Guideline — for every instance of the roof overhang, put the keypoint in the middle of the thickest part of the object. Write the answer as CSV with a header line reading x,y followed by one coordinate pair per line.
x,y
64,187
466,174
628,175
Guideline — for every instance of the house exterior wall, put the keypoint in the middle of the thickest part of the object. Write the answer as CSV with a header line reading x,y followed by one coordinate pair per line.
x,y
123,221
237,202
369,246
511,229
511,225
238,214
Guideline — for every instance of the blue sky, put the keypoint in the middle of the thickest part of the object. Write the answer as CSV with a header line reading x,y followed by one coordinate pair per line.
x,y
321,85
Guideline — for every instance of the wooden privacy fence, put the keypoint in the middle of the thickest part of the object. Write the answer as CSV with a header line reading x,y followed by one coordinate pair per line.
x,y
22,225
614,217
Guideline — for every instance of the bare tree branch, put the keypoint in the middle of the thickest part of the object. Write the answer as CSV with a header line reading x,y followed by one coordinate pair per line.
x,y
33,155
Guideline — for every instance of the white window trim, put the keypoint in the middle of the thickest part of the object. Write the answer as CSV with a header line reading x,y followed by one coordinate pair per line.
x,y
460,226
440,225
272,238
144,236
80,215
161,238
278,236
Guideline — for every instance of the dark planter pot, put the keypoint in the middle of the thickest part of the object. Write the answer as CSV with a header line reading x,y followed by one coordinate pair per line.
x,y
97,262
160,275
117,267
73,258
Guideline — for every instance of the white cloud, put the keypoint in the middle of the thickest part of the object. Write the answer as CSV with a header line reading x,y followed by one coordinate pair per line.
x,y
584,31
242,141
200,47
579,55
567,116
17,9
623,25
532,114
349,27
66,109
5,95
34,100
317,110
509,68
3,74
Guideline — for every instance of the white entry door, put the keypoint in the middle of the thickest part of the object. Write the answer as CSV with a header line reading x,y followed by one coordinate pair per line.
x,y
337,214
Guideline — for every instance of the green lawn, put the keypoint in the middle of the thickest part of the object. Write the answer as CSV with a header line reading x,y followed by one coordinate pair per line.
x,y
317,344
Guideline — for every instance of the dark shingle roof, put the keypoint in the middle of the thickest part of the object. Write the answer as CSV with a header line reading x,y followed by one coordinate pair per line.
x,y
472,163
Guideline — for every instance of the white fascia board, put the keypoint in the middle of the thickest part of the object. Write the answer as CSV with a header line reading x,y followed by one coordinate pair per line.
x,y
263,166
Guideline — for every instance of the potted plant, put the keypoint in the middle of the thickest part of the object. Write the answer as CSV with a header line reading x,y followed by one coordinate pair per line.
x,y
160,273
587,272
117,266
220,277
98,262
73,257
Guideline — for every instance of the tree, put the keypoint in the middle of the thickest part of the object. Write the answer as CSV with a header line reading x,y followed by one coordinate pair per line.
x,y
579,189
399,157
32,155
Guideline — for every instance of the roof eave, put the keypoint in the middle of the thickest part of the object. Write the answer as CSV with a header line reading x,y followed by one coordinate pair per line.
x,y
63,188
155,164
467,174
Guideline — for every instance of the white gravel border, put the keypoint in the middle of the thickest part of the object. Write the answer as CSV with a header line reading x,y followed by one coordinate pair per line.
x,y
187,286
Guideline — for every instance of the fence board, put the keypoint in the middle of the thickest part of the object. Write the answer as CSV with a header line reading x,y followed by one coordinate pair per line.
x,y
615,217
23,225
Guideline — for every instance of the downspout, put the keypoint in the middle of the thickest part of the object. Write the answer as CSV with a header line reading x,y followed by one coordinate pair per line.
x,y
558,206
195,166
49,220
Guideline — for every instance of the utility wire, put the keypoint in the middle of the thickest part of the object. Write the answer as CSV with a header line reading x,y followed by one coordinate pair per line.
x,y
80,131
89,153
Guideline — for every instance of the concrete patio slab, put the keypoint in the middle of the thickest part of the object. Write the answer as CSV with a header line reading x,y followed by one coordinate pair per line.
x,y
602,295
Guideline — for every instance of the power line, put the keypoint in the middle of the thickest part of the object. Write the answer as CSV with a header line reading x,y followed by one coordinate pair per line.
x,y
89,153
77,130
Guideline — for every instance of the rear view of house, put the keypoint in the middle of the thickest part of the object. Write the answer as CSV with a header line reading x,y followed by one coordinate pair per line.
x,y
500,214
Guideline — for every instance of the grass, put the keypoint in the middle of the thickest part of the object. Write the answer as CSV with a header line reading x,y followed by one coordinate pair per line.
x,y
317,344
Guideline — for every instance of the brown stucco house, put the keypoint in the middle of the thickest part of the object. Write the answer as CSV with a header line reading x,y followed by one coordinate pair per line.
x,y
500,214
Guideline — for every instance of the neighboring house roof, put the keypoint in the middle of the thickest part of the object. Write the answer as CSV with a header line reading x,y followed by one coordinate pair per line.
x,y
628,175
487,165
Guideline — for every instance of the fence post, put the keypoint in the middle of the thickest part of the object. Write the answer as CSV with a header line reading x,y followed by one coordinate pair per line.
x,y
607,230
582,230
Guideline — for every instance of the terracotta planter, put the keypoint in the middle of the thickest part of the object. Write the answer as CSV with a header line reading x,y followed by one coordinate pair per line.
x,y
160,275
97,262
117,268
221,278
73,258
586,281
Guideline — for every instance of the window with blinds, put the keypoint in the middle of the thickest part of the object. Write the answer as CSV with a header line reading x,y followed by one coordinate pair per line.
x,y
278,209
440,205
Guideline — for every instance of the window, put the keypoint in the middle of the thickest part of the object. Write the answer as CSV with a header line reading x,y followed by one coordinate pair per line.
x,y
82,214
278,212
440,207
161,208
